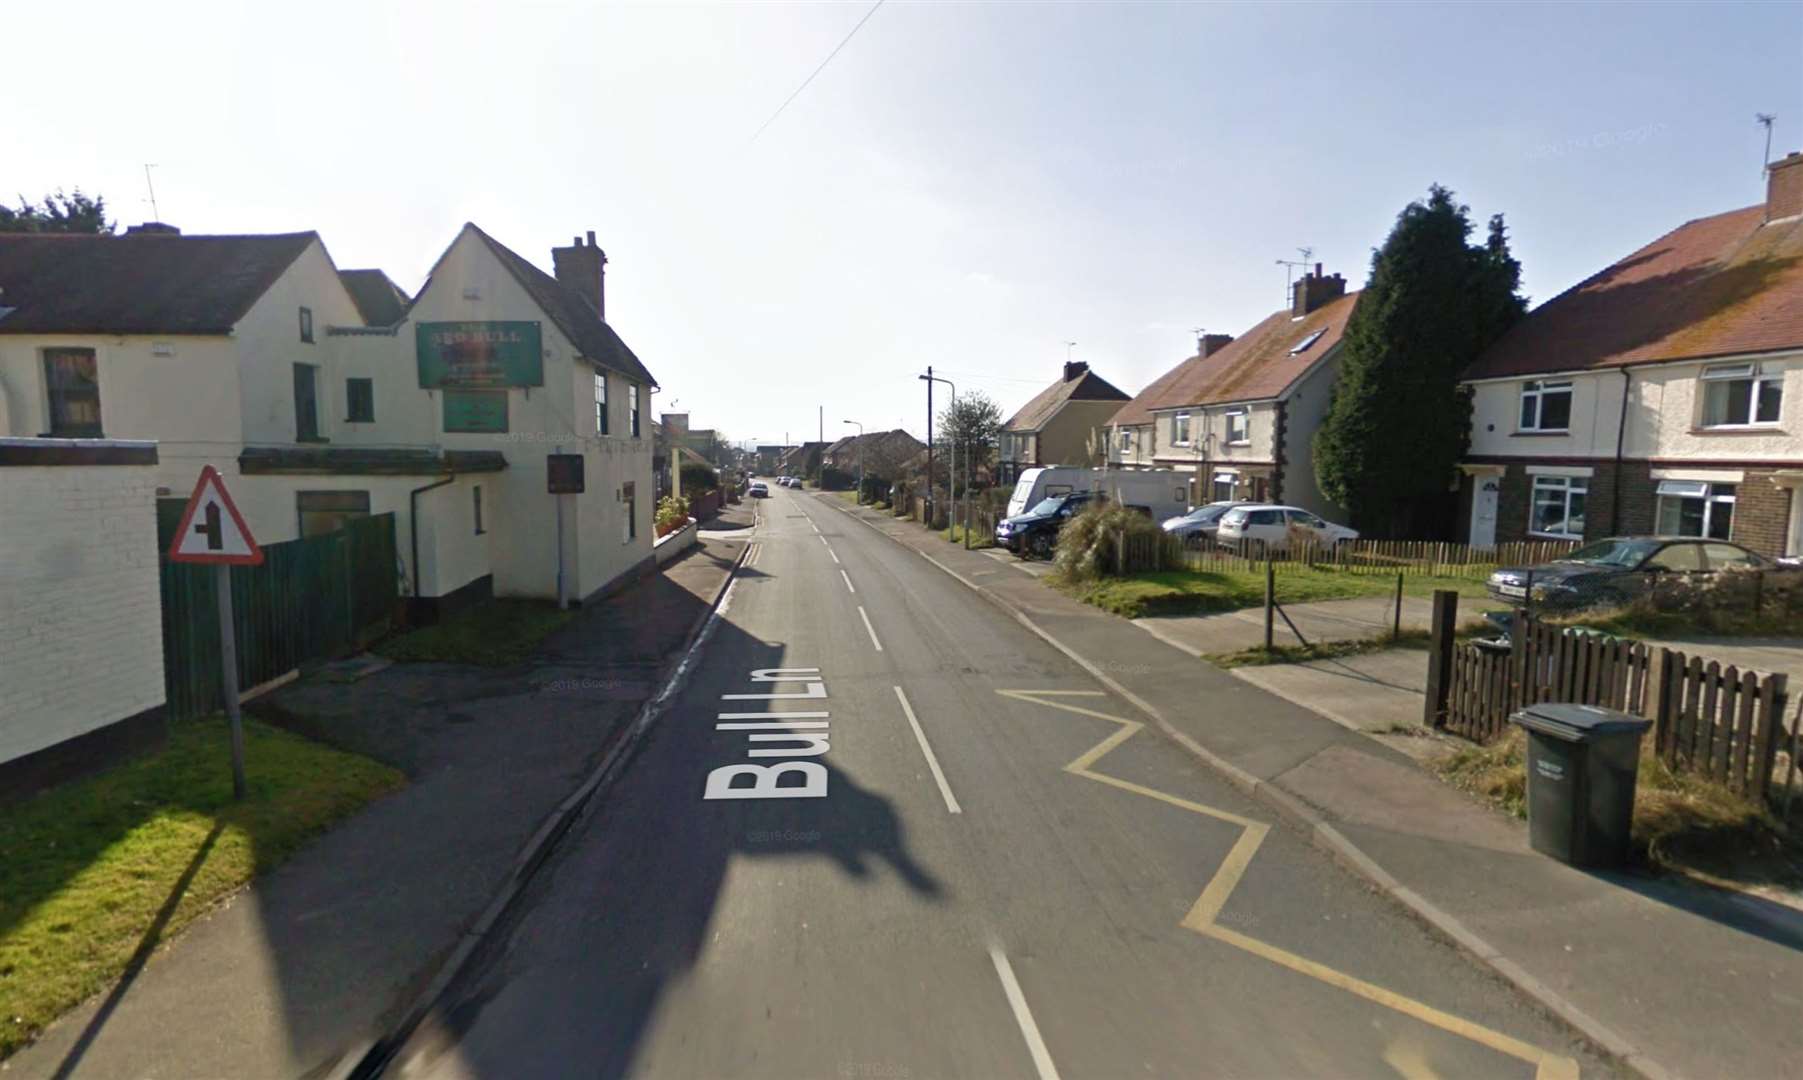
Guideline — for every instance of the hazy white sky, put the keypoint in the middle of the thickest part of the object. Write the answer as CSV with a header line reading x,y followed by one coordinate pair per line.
x,y
968,185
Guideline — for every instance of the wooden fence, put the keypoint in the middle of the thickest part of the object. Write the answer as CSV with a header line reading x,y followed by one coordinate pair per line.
x,y
1715,720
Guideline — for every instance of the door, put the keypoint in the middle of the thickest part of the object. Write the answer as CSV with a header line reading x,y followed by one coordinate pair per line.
x,y
1267,526
1483,510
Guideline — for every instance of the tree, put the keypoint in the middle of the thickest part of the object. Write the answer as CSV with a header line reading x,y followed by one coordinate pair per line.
x,y
58,213
974,421
1399,422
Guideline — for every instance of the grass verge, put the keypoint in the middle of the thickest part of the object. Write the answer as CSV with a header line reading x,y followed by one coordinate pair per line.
x,y
1642,621
1682,822
96,873
494,633
1259,656
979,538
1198,592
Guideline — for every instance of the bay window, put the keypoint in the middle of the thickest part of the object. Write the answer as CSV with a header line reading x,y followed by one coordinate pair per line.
x,y
1558,506
1741,395
1546,405
1692,508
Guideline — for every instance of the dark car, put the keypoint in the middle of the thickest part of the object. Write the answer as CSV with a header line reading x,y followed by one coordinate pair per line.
x,y
1036,531
1617,570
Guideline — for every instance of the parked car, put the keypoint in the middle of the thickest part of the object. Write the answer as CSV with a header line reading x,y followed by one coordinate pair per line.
x,y
1272,525
1616,570
1199,523
1035,532
759,490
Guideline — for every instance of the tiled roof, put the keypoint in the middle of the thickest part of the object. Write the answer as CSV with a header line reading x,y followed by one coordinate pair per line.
x,y
137,284
1087,386
1139,410
379,300
1260,364
573,314
1716,286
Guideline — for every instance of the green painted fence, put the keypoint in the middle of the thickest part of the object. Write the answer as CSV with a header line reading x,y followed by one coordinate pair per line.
x,y
311,599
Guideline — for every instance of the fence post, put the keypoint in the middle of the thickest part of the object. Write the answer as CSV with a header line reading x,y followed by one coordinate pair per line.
x,y
1439,658
1396,627
1758,591
1120,552
1663,706
1270,598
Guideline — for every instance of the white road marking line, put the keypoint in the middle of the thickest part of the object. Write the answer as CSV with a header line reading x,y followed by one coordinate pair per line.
x,y
945,789
813,526
772,715
830,551
872,629
848,584
1042,1058
823,540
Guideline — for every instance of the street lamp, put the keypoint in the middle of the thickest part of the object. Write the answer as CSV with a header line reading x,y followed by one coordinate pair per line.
x,y
930,378
860,427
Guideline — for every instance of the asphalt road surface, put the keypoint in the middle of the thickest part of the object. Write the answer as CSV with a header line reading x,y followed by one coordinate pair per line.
x,y
951,855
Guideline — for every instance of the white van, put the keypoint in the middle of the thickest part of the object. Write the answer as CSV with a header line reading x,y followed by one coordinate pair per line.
x,y
1161,492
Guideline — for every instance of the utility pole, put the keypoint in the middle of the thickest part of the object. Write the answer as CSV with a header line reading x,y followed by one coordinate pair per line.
x,y
929,378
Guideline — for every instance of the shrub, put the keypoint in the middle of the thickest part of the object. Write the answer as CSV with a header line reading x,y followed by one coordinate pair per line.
x,y
672,513
1086,543
699,478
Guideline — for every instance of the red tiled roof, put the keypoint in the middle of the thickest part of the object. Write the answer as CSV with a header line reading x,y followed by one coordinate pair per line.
x,y
1716,286
1087,386
1253,367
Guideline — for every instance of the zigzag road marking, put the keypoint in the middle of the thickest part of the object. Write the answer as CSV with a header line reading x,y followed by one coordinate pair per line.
x,y
1204,912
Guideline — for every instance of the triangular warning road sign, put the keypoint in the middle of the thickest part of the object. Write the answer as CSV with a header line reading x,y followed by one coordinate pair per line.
x,y
212,530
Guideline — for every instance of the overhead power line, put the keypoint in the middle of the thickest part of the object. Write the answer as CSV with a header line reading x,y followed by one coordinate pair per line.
x,y
817,71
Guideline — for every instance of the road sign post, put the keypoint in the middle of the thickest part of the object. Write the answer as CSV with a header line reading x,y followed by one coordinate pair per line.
x,y
212,531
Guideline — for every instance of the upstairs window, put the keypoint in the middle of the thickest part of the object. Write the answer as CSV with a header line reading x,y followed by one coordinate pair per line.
x,y
600,404
1239,428
306,404
1688,508
360,401
1180,429
1126,439
73,379
632,406
1546,405
306,325
1740,395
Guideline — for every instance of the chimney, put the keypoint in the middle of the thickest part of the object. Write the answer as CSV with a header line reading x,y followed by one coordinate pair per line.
x,y
1784,187
152,228
1075,368
1209,344
583,267
1313,290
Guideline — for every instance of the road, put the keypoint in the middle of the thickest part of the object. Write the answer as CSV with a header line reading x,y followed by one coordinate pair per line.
x,y
967,861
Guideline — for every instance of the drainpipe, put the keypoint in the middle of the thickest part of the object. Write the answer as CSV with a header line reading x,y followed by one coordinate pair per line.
x,y
413,523
1621,431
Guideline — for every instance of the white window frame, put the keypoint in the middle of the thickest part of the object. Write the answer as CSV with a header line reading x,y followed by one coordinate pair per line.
x,y
1727,373
632,405
1536,390
1126,440
1180,429
1569,485
1244,416
1710,495
601,403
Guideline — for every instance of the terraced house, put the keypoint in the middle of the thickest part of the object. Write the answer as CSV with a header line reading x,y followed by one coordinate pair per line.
x,y
1663,394
1241,414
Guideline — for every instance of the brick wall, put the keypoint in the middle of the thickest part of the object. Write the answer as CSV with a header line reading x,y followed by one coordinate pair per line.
x,y
81,629
1761,513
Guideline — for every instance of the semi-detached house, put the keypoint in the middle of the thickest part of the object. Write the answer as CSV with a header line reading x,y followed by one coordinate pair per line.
x,y
1240,415
1057,425
322,394
1663,394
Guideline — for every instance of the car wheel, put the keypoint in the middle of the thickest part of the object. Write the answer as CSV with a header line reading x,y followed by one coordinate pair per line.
x,y
1040,545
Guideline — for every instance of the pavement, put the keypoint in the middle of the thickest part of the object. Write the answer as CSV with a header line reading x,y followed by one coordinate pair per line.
x,y
1319,621
1378,693
885,830
297,974
1666,977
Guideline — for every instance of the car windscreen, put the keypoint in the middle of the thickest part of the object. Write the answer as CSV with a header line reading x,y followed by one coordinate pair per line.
x,y
1206,514
1048,506
1622,553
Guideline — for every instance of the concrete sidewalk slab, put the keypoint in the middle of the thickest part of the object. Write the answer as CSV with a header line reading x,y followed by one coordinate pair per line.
x,y
1669,977
296,974
1378,692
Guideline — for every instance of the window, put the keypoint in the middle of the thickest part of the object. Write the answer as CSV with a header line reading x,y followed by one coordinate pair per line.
x,y
306,405
1546,405
476,500
1740,395
600,404
1126,439
1302,346
1306,519
629,496
1724,555
1223,487
360,401
632,404
1687,508
306,325
73,379
323,512
1683,558
1265,517
1239,428
1558,507
1180,429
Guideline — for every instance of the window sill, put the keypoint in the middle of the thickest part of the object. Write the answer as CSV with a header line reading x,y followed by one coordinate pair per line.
x,y
351,420
1739,429
1537,434
82,434
1247,442
1554,536
311,439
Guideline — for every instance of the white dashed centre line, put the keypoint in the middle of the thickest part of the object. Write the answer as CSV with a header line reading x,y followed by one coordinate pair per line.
x,y
872,629
848,584
1042,1058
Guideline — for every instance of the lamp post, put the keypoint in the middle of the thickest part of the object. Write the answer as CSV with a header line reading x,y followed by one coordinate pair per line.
x,y
931,378
860,427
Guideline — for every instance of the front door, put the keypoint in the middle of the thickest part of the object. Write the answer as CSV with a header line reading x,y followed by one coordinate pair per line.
x,y
1483,510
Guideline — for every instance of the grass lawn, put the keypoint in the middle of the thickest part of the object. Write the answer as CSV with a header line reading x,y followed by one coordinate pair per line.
x,y
1642,621
494,633
95,873
979,538
1681,821
1197,592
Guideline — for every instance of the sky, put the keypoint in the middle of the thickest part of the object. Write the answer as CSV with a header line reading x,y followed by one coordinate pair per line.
x,y
966,185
